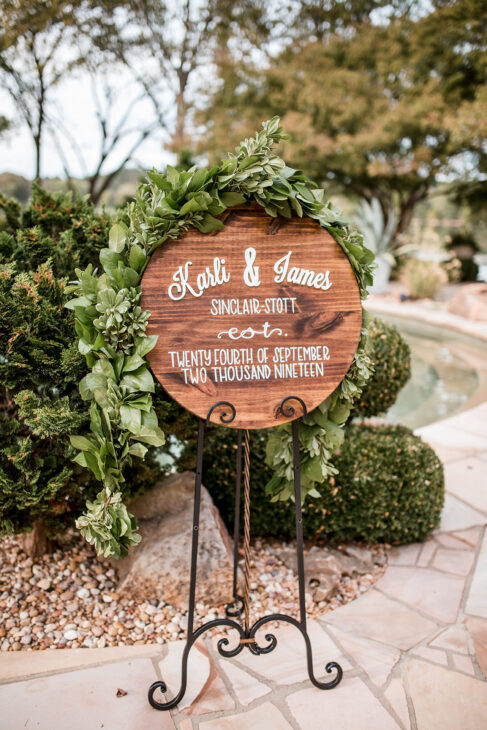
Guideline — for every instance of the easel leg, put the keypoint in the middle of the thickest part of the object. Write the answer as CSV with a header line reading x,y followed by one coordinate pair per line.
x,y
331,666
190,637
235,608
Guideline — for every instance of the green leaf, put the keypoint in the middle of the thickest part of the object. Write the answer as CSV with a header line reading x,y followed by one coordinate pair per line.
x,y
320,418
160,180
118,237
145,344
104,367
312,470
296,205
118,364
230,199
149,418
198,179
152,436
93,463
80,459
78,302
130,277
138,449
84,347
142,402
340,412
110,260
130,418
335,434
132,363
140,379
89,384
82,443
99,342
248,162
172,175
192,206
208,224
137,257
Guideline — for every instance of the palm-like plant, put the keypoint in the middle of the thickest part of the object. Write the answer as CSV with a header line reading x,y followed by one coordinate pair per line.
x,y
377,231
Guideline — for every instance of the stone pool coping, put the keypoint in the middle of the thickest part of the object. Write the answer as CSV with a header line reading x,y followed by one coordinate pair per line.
x,y
428,311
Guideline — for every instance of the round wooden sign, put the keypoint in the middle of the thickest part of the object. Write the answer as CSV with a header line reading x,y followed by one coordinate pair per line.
x,y
262,310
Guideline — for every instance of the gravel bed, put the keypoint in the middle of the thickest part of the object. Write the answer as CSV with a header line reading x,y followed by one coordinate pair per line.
x,y
68,599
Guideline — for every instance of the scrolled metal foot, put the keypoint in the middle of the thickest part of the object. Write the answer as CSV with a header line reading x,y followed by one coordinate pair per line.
x,y
228,653
222,643
330,667
163,688
235,608
256,648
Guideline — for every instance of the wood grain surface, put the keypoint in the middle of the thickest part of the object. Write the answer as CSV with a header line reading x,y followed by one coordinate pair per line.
x,y
211,340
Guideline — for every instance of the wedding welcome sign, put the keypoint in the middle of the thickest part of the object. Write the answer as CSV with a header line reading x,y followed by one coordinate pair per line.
x,y
259,311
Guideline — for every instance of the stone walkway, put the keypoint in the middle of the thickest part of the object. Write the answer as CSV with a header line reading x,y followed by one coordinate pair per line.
x,y
413,649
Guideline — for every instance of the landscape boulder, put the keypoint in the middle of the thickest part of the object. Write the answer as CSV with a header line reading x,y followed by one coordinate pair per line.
x,y
159,566
470,301
324,567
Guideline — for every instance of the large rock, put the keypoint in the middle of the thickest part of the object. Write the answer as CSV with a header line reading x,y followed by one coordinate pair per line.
x,y
159,566
470,301
324,567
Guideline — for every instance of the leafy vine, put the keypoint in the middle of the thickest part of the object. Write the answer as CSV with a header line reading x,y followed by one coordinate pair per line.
x,y
111,325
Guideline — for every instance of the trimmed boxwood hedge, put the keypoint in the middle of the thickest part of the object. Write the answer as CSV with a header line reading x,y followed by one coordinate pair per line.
x,y
389,487
391,356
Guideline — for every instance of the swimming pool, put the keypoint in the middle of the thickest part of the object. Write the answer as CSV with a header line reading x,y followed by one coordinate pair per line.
x,y
449,373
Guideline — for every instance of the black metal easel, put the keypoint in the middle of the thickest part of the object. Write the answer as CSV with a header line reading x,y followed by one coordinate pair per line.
x,y
241,603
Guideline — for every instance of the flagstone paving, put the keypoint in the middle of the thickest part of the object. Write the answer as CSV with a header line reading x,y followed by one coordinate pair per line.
x,y
413,648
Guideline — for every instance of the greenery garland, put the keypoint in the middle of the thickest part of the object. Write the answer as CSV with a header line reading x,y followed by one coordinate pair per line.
x,y
111,325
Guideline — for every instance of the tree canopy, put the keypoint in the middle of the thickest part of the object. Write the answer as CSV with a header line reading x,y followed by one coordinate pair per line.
x,y
41,43
384,109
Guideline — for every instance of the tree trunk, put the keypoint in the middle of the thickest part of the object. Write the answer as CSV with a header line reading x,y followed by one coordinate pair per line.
x,y
406,212
179,135
36,543
37,144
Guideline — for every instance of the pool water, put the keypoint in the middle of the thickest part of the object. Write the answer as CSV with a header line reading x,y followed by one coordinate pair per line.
x,y
449,373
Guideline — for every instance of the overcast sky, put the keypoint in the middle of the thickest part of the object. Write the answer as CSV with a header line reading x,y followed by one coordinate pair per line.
x,y
75,98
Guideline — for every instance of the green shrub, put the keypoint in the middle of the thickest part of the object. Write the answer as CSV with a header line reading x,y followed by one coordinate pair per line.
x,y
40,366
391,356
423,279
389,487
462,243
469,269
